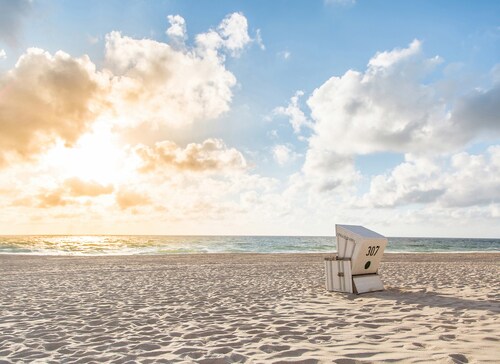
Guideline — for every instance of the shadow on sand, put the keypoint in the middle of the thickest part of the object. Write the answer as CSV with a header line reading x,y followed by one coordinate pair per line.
x,y
425,298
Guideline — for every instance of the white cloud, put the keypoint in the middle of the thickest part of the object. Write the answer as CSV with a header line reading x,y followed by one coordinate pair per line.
x,y
414,181
210,156
234,32
72,192
78,187
52,199
282,154
326,171
259,41
157,84
463,180
173,85
3,54
208,44
389,108
384,109
296,116
126,198
177,30
477,114
144,83
474,180
231,35
285,55
495,211
273,134
388,58
53,100
47,98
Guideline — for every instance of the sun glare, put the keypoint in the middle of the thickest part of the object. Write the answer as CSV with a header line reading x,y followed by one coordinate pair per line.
x,y
97,157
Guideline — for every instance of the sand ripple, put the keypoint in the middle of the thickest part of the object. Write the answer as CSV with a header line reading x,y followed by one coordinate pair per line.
x,y
245,309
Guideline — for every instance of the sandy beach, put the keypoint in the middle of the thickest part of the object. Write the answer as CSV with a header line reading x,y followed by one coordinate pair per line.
x,y
228,308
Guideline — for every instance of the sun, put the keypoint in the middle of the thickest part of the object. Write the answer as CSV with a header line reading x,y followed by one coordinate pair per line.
x,y
97,156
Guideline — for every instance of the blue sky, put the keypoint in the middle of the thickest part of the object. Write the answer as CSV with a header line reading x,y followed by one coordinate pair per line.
x,y
324,112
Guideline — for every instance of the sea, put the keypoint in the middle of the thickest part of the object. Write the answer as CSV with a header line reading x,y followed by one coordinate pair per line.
x,y
157,245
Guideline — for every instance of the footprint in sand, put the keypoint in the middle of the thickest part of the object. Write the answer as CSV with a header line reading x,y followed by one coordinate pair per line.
x,y
415,346
447,337
490,338
376,338
223,350
237,358
291,353
305,361
320,339
274,348
345,361
459,358
54,346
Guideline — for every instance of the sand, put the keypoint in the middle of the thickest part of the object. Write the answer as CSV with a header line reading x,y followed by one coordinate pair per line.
x,y
227,308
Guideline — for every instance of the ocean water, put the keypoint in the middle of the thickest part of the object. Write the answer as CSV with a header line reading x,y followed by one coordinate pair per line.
x,y
154,245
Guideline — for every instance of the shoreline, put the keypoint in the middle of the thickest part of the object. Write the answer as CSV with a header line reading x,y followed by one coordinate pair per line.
x,y
24,254
246,307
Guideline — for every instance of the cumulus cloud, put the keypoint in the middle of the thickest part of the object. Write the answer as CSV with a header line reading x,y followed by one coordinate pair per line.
x,y
46,98
389,107
478,113
414,181
234,32
177,30
127,198
11,18
231,35
386,108
52,199
3,54
77,188
66,193
296,116
327,171
463,180
155,83
388,58
474,180
218,197
210,156
282,154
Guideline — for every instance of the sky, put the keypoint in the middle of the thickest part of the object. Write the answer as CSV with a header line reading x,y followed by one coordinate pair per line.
x,y
250,117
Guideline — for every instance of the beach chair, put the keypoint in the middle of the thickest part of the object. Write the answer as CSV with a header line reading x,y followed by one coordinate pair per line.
x,y
354,269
